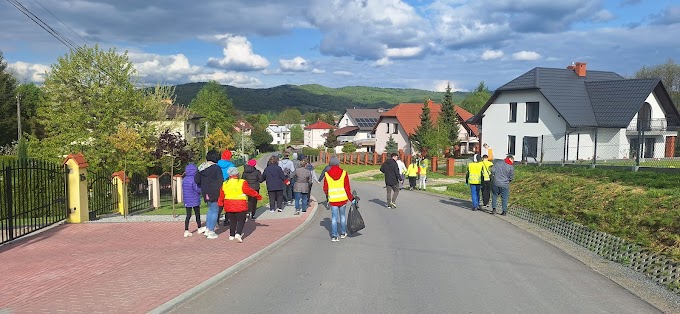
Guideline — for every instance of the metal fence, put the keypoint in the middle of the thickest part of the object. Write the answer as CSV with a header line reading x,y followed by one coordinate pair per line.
x,y
33,195
102,195
138,193
166,190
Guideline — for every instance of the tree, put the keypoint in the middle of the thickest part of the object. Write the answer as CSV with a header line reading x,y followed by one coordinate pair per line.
x,y
311,117
219,141
448,120
331,140
8,105
437,140
669,73
244,144
422,131
131,150
476,100
290,116
261,138
349,148
31,96
297,135
328,118
391,146
175,149
214,105
88,94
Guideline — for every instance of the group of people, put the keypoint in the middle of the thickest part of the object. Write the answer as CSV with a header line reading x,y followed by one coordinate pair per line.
x,y
289,181
490,180
396,172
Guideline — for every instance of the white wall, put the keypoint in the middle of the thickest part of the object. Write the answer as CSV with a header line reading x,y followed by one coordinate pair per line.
x,y
345,121
381,136
497,128
313,138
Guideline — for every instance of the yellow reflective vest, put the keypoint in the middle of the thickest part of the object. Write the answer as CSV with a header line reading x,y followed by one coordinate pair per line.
x,y
412,170
474,175
423,167
233,190
486,169
336,188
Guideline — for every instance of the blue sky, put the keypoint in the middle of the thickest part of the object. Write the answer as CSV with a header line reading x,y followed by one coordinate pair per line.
x,y
385,43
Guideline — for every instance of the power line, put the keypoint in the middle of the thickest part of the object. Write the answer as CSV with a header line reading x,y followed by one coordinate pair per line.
x,y
62,22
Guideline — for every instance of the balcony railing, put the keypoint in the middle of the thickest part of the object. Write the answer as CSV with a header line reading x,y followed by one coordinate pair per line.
x,y
648,125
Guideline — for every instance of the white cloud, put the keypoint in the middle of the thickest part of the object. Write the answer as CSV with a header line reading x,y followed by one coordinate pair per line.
x,y
492,54
382,62
154,68
318,71
408,52
238,55
604,16
343,73
297,64
30,72
526,56
227,78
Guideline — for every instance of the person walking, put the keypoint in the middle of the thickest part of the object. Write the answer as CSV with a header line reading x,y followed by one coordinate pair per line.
x,y
336,186
422,168
303,180
288,168
503,173
402,172
412,174
392,176
276,183
488,151
210,181
253,176
322,177
310,167
191,196
234,199
486,183
473,177
225,164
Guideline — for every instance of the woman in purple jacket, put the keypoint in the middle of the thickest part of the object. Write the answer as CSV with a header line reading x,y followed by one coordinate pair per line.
x,y
191,195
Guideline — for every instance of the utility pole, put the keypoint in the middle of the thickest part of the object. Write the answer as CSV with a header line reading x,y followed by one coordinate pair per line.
x,y
18,117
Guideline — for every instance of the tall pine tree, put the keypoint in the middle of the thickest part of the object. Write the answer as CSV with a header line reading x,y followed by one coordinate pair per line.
x,y
391,146
448,121
8,104
423,130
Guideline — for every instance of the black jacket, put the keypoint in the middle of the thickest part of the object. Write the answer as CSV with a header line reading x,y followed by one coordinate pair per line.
x,y
252,176
391,171
210,181
274,177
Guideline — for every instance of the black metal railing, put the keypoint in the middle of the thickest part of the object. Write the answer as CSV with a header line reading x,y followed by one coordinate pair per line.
x,y
33,195
102,194
138,193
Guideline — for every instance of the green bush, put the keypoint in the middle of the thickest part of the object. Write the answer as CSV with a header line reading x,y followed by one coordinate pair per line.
x,y
308,151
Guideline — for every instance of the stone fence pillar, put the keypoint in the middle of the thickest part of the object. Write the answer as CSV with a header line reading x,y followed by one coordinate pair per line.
x,y
450,166
77,188
120,180
177,182
154,191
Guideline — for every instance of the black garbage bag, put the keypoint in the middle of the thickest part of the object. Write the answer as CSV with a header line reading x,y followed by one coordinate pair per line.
x,y
354,220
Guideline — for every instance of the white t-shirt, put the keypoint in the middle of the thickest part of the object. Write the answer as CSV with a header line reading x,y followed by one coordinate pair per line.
x,y
402,166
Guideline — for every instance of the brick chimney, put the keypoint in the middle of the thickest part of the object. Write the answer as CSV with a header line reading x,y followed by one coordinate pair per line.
x,y
579,68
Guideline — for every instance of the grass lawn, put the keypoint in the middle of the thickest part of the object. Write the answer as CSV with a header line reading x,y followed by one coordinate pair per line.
x,y
351,169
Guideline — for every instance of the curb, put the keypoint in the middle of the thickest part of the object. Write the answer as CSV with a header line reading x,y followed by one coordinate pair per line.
x,y
178,300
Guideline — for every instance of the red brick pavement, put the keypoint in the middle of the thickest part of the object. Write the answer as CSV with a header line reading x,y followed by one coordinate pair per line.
x,y
120,267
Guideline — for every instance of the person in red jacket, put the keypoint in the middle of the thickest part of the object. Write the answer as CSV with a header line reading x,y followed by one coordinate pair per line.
x,y
336,186
234,198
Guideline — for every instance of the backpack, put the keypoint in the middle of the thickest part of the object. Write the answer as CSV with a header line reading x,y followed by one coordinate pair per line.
x,y
287,172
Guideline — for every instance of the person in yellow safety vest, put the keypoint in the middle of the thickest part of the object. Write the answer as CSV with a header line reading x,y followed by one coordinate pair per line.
x,y
336,186
412,173
474,178
234,197
486,183
489,151
422,167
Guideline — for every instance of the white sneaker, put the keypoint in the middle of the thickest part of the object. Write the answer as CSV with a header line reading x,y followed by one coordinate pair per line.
x,y
187,233
342,236
231,238
238,238
208,232
212,235
201,230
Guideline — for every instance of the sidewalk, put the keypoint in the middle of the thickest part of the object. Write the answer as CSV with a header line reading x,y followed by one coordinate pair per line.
x,y
129,267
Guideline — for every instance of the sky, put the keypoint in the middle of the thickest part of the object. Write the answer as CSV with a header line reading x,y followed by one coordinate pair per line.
x,y
423,44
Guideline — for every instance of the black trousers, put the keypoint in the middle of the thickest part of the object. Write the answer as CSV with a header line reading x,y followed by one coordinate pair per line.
x,y
486,192
275,199
252,206
412,182
197,211
236,222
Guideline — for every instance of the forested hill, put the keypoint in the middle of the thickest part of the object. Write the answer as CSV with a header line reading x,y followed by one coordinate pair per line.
x,y
314,97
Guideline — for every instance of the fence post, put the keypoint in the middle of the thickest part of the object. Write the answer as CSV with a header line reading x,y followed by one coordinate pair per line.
x,y
450,167
177,182
375,158
77,188
9,210
595,150
383,158
121,182
154,191
435,163
366,158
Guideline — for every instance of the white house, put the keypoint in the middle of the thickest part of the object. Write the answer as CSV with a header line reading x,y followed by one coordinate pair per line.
x,y
315,133
356,126
550,114
280,134
183,121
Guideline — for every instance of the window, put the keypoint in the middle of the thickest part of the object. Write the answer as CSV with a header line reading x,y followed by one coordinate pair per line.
x,y
511,144
513,112
530,148
388,128
395,130
649,147
532,112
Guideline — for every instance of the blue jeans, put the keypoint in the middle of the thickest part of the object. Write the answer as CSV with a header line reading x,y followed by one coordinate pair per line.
x,y
474,191
299,196
335,212
502,192
212,216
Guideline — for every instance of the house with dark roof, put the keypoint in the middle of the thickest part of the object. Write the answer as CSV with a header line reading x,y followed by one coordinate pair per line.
x,y
402,121
315,133
181,120
356,126
551,114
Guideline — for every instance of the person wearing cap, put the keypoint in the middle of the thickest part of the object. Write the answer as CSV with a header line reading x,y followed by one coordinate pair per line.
x,y
210,181
276,183
289,170
234,199
253,176
336,186
473,177
225,164
503,173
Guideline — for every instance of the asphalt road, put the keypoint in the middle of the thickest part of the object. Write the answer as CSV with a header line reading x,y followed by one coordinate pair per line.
x,y
430,255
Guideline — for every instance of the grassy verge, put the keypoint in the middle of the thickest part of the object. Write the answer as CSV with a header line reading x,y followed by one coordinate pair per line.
x,y
351,169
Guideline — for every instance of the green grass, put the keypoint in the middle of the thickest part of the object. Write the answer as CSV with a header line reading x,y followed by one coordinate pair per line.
x,y
351,169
